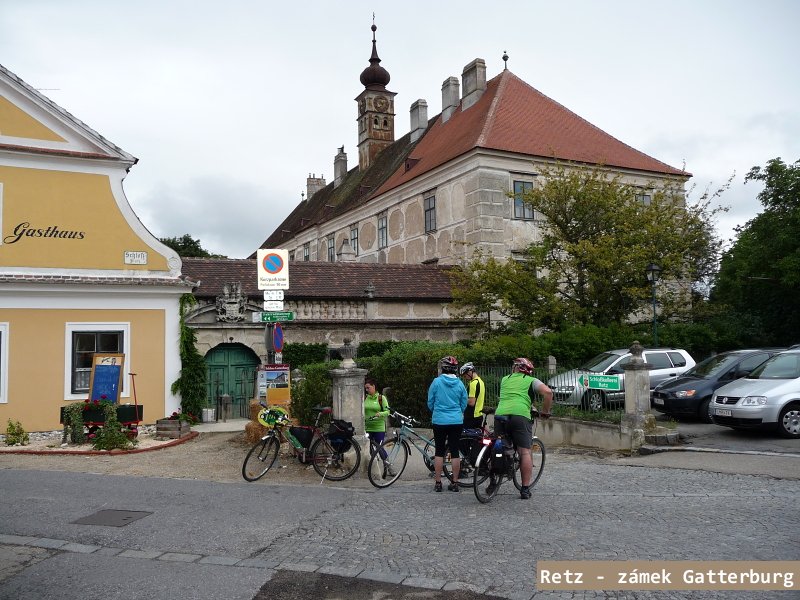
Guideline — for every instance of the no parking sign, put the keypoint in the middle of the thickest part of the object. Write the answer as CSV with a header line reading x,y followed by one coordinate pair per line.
x,y
273,269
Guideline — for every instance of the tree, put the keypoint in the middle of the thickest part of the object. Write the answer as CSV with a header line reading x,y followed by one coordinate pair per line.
x,y
191,383
188,246
759,276
597,237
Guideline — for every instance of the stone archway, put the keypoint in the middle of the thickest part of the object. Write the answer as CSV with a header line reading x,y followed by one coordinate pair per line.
x,y
231,369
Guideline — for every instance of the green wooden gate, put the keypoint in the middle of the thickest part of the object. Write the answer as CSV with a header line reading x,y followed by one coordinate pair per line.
x,y
231,370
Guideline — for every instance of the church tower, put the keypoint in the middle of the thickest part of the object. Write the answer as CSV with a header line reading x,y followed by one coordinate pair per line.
x,y
375,110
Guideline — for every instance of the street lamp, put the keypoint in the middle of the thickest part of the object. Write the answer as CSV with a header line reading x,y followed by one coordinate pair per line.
x,y
653,271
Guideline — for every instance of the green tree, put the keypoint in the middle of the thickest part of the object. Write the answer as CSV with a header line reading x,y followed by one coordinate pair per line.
x,y
186,245
759,276
588,266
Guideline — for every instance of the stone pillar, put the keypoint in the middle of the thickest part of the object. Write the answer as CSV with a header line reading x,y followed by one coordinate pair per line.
x,y
348,390
637,419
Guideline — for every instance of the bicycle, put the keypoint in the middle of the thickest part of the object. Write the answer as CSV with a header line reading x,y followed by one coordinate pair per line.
x,y
397,449
498,461
333,454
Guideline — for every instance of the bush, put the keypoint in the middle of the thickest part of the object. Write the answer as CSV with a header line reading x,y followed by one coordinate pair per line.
x,y
313,389
16,435
111,436
366,349
299,355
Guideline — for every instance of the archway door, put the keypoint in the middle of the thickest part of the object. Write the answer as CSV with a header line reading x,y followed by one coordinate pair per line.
x,y
231,370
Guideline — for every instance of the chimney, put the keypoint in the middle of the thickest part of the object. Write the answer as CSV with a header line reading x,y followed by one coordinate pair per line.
x,y
339,167
346,253
419,119
473,80
450,92
314,184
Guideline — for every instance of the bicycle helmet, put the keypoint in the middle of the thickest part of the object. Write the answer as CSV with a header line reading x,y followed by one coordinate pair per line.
x,y
273,417
449,364
524,365
467,366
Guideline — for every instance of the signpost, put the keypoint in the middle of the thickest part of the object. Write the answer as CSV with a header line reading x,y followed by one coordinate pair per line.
x,y
272,317
600,382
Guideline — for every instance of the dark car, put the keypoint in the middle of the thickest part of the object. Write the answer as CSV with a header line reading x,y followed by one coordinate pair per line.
x,y
690,394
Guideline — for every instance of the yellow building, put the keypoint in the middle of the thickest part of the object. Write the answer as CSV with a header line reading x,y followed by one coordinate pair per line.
x,y
79,273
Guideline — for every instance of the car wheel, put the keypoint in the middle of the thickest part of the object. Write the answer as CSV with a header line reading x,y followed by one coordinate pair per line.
x,y
789,421
593,400
702,411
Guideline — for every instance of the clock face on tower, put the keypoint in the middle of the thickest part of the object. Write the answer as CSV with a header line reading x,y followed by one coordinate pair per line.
x,y
381,103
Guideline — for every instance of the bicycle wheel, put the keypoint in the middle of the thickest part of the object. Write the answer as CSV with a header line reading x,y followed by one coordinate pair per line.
x,y
538,454
486,483
428,456
260,458
334,464
383,472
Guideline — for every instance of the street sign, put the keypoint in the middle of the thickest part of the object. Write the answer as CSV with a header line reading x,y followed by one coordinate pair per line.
x,y
273,269
273,305
600,382
272,317
273,295
277,338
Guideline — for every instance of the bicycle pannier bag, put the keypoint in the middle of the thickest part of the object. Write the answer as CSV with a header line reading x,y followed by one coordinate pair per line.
x,y
303,434
340,433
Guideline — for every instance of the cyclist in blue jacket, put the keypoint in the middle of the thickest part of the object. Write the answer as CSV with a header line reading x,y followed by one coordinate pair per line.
x,y
447,399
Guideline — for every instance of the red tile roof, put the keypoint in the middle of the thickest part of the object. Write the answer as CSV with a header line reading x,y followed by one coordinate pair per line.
x,y
512,116
324,280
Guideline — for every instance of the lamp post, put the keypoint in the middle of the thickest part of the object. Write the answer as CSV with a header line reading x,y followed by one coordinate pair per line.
x,y
653,271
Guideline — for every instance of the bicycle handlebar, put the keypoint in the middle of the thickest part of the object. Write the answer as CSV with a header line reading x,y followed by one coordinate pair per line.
x,y
409,420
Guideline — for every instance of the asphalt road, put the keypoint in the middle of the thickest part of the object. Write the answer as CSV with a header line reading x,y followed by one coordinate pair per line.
x,y
709,435
288,536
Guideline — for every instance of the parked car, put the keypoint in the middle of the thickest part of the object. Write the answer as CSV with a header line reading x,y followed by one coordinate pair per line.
x,y
769,397
690,394
568,388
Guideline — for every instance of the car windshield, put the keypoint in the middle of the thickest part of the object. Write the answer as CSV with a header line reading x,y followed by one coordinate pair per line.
x,y
712,367
600,362
780,366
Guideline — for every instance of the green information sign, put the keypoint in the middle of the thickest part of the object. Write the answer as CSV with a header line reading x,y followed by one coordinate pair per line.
x,y
273,317
600,382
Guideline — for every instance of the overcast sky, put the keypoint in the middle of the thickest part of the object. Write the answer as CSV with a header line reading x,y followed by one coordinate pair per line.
x,y
230,105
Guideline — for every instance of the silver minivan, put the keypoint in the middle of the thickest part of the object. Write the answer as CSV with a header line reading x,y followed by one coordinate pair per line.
x,y
571,388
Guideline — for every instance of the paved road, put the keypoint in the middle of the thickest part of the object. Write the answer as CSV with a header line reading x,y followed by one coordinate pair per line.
x,y
235,540
709,435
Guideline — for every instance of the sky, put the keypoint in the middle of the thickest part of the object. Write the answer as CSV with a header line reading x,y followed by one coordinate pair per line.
x,y
229,106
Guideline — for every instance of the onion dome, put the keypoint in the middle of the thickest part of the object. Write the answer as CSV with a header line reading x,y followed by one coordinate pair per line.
x,y
374,77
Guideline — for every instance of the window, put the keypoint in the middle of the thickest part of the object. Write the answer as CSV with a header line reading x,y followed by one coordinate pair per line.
x,y
657,360
291,255
307,251
83,340
354,238
644,199
3,363
521,209
678,359
382,236
331,249
430,213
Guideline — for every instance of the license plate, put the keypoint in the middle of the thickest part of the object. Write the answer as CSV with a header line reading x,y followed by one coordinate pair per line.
x,y
658,401
722,412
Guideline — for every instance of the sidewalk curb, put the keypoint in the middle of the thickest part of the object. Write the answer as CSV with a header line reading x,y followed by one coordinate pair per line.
x,y
646,450
186,438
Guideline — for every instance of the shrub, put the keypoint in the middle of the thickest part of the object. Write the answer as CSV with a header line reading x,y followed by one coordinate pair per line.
x,y
111,436
16,435
366,349
299,355
313,389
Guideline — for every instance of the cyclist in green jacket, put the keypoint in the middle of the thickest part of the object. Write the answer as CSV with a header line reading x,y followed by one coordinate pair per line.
x,y
376,409
513,415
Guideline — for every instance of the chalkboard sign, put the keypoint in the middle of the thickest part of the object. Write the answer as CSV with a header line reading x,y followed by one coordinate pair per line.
x,y
106,377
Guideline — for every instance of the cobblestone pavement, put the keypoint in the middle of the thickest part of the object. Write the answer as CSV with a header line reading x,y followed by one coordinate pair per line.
x,y
584,508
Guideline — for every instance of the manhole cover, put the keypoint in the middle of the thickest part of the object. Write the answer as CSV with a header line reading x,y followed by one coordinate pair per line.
x,y
112,518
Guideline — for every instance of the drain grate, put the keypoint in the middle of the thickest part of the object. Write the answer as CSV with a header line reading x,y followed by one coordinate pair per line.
x,y
112,518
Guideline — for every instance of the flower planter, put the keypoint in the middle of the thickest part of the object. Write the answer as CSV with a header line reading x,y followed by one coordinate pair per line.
x,y
172,429
127,414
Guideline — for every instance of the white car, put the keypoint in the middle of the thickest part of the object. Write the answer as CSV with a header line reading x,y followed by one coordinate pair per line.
x,y
769,397
665,364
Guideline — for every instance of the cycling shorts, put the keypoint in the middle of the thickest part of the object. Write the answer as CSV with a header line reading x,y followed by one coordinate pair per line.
x,y
519,429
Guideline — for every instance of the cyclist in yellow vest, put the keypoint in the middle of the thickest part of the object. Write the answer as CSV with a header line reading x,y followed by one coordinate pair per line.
x,y
476,391
513,415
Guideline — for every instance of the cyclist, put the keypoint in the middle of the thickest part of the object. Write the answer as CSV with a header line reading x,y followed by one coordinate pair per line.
x,y
513,415
376,409
476,390
447,399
